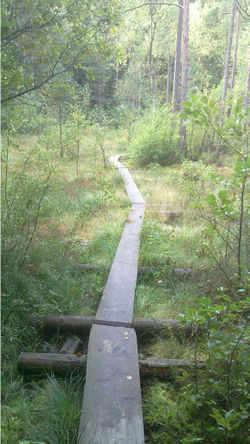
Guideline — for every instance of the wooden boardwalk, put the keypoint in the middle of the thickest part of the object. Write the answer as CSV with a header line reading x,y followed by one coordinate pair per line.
x,y
112,407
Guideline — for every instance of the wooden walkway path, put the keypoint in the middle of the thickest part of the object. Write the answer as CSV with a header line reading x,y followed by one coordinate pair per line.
x,y
112,407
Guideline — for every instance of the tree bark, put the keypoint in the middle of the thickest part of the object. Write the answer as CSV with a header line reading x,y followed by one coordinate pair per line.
x,y
177,64
153,25
184,76
234,60
168,78
226,72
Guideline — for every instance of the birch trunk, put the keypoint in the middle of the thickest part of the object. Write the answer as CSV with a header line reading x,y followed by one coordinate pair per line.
x,y
150,60
182,133
177,64
168,78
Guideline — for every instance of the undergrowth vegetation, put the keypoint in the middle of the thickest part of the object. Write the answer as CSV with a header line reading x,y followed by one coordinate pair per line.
x,y
63,211
52,221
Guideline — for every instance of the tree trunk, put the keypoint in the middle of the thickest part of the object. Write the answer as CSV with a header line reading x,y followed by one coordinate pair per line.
x,y
226,72
234,60
139,89
246,102
177,64
60,126
78,148
150,60
183,145
168,78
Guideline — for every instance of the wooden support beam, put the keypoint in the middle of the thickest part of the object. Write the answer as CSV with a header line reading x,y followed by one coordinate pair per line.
x,y
35,363
82,325
141,270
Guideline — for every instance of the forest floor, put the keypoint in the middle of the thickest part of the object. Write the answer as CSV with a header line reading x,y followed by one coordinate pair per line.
x,y
84,225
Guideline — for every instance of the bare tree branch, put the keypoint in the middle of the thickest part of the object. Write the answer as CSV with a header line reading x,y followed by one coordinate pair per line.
x,y
243,11
150,4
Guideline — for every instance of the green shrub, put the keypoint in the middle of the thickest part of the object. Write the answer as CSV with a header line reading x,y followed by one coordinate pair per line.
x,y
155,141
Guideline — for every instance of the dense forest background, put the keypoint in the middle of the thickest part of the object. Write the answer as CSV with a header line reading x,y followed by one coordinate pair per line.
x,y
167,84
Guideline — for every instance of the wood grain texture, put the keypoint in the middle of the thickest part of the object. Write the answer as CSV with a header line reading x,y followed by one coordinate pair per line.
x,y
112,409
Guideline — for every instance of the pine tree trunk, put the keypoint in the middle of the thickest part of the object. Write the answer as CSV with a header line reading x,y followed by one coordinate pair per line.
x,y
226,72
168,78
234,60
177,64
184,74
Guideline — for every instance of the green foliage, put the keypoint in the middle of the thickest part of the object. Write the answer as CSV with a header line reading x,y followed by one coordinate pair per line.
x,y
220,392
194,179
202,110
155,141
51,37
225,236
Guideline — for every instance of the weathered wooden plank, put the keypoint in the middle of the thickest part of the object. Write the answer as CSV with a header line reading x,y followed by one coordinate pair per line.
x,y
82,324
35,363
112,410
131,188
71,346
116,306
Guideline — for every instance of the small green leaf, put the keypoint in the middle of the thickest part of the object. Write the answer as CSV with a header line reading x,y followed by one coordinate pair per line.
x,y
211,200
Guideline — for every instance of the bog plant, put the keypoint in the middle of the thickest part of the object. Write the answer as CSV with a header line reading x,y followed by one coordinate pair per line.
x,y
155,141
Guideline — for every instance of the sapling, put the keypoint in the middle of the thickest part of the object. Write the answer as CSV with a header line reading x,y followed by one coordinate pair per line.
x,y
227,210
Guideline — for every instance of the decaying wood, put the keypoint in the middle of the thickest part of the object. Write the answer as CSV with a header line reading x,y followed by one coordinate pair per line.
x,y
81,325
71,346
158,367
35,363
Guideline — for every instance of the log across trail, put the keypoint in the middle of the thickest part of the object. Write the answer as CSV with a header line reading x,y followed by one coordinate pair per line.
x,y
112,406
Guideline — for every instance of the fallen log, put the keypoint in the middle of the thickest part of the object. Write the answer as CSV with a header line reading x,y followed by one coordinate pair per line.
x,y
159,367
141,270
82,325
35,363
